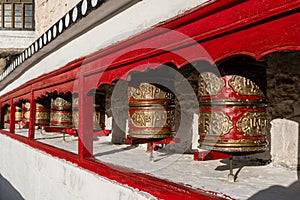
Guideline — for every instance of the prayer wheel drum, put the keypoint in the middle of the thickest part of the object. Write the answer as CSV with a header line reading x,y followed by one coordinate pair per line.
x,y
6,115
232,114
26,112
18,114
61,113
42,116
151,112
99,111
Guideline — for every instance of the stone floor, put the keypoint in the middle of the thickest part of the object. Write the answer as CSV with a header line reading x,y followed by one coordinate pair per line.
x,y
255,180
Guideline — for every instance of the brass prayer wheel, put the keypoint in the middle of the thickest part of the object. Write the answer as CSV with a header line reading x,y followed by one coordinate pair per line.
x,y
26,112
98,114
6,115
61,113
18,114
151,112
42,115
232,114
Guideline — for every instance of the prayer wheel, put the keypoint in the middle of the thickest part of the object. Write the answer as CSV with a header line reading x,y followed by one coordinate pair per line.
x,y
61,113
232,114
18,114
99,111
41,116
151,112
26,112
6,115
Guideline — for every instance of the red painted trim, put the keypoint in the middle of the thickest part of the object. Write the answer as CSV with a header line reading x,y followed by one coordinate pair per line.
x,y
1,116
12,121
160,188
85,121
210,155
32,113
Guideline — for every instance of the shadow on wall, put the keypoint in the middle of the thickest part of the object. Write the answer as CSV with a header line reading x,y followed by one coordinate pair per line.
x,y
7,191
283,93
278,192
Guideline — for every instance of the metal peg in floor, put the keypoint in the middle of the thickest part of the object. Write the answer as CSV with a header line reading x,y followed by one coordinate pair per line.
x,y
231,175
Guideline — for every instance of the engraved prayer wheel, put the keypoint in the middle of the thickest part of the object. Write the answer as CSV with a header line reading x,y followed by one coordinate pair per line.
x,y
6,115
61,113
18,114
232,114
151,112
26,112
99,111
42,115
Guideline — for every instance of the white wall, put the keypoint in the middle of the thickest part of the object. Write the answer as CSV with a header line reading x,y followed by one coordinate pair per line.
x,y
12,39
48,12
36,175
285,143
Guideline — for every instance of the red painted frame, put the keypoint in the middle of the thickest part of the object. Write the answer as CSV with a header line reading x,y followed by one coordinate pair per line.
x,y
223,28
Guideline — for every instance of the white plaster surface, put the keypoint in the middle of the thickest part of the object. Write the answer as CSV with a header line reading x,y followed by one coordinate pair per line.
x,y
134,20
254,180
49,12
38,176
285,143
12,39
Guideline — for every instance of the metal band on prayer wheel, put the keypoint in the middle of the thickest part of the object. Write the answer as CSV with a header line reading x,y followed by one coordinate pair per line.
x,y
61,113
232,114
151,112
99,112
42,115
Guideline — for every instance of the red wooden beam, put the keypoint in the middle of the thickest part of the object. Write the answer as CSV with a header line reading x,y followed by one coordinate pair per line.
x,y
85,121
210,155
12,121
159,188
31,128
1,116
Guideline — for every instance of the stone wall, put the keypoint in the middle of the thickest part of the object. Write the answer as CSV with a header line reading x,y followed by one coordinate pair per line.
x,y
48,12
283,85
283,92
7,56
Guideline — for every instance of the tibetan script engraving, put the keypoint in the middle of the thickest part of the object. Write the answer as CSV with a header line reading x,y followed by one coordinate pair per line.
x,y
60,102
59,116
253,124
42,115
210,84
244,86
148,91
216,123
153,118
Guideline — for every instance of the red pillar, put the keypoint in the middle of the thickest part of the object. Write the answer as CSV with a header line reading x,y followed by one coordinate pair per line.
x,y
85,121
32,117
12,117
